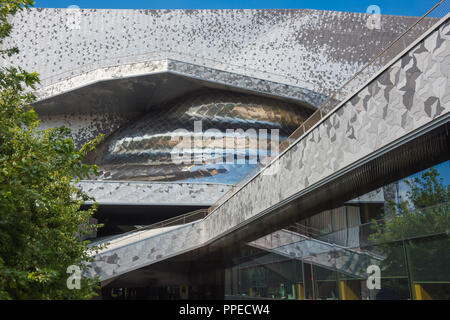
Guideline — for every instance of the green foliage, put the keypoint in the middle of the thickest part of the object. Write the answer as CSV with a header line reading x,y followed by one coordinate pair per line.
x,y
425,211
40,216
8,8
423,214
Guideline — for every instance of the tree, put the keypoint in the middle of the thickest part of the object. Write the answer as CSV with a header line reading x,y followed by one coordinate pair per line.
x,y
40,216
425,211
417,227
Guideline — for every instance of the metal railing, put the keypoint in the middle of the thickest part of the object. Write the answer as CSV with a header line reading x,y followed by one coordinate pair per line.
x,y
408,37
365,230
175,221
359,248
176,56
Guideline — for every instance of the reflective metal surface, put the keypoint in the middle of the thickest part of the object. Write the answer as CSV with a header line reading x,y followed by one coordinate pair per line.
x,y
143,150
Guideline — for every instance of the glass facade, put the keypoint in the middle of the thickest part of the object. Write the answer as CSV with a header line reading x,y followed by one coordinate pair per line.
x,y
392,243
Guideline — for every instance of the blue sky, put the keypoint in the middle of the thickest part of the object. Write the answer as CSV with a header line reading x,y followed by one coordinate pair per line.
x,y
444,173
392,7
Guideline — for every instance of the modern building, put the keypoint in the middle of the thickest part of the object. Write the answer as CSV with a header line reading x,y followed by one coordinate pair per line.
x,y
235,165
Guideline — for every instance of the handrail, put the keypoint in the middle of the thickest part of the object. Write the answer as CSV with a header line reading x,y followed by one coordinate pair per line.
x,y
332,103
175,221
158,56
314,233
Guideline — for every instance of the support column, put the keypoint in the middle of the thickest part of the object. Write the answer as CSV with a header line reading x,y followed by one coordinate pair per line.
x,y
346,292
420,292
300,292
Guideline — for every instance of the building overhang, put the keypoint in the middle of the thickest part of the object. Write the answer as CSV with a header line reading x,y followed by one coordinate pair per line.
x,y
136,87
153,193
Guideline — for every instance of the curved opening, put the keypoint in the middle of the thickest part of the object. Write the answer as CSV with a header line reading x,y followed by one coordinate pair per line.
x,y
210,136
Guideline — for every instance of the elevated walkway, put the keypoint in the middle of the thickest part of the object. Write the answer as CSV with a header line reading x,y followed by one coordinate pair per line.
x,y
397,121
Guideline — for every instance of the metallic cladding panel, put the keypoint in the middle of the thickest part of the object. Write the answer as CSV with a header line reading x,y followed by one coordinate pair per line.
x,y
143,149
310,49
144,193
390,108
411,93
